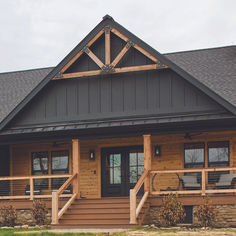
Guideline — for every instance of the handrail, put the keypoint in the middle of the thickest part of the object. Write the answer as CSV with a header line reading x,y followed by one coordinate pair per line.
x,y
141,181
134,210
55,203
66,184
31,179
34,177
192,170
203,190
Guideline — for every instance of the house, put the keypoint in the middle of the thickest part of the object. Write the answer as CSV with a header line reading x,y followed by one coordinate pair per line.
x,y
115,126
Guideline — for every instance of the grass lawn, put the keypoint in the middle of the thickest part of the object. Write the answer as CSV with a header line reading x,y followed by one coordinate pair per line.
x,y
134,232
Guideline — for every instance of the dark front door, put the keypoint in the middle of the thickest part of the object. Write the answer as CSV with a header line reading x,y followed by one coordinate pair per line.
x,y
121,169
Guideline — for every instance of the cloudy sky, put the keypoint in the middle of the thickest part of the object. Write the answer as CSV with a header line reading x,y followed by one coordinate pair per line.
x,y
40,33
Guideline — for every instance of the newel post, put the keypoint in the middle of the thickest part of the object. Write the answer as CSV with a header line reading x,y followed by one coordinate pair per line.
x,y
147,145
76,165
133,207
54,207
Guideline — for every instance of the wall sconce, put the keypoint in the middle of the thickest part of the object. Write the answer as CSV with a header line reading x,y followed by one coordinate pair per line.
x,y
157,151
92,155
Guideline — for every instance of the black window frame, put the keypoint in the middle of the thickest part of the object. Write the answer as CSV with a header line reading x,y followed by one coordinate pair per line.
x,y
214,176
199,164
40,183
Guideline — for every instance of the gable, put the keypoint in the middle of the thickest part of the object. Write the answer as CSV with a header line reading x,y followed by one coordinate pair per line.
x,y
127,61
119,96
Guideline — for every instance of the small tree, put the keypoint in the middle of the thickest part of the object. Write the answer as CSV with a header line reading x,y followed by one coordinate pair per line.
x,y
8,214
172,211
206,213
39,212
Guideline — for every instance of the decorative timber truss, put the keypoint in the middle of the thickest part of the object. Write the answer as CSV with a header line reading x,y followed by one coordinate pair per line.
x,y
109,67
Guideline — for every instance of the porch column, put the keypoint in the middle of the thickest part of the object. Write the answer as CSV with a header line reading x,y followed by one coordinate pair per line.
x,y
76,165
147,145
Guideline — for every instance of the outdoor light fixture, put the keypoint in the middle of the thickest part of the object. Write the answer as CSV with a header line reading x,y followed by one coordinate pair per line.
x,y
157,151
92,155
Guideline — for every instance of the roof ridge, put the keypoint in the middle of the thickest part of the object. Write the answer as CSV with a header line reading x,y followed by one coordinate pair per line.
x,y
201,49
17,71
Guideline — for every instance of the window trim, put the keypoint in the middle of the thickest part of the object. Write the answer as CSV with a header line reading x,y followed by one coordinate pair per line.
x,y
222,162
199,163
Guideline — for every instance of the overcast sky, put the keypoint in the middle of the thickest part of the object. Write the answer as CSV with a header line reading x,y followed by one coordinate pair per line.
x,y
40,33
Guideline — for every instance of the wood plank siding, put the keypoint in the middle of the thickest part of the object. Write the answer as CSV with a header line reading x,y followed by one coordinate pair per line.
x,y
172,156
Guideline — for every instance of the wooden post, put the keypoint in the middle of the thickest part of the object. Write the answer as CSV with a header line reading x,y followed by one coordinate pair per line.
x,y
203,183
76,165
147,159
54,207
31,188
107,46
133,207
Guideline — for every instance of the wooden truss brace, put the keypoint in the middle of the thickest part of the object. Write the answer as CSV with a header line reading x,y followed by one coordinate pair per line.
x,y
109,67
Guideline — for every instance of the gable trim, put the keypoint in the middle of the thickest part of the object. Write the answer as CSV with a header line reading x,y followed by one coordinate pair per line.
x,y
98,29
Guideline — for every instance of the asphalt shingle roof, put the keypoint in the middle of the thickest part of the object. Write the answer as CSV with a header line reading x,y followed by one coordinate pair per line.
x,y
15,86
215,68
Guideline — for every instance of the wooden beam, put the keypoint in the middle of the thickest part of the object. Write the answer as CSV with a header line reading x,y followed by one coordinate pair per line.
x,y
147,145
141,203
67,205
97,36
135,68
107,47
144,52
93,57
117,33
31,188
79,74
76,165
136,46
120,55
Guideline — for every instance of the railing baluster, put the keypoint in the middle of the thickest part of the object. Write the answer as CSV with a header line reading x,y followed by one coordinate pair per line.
x,y
31,188
203,183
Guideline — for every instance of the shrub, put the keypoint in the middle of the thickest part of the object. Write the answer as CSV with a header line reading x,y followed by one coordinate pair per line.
x,y
8,214
206,213
39,212
172,211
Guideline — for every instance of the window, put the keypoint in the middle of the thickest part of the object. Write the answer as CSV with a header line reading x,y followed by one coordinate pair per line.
x,y
40,167
194,155
218,155
60,165
136,165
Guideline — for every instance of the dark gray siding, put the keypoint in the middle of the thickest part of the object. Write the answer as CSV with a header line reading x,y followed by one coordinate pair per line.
x,y
152,93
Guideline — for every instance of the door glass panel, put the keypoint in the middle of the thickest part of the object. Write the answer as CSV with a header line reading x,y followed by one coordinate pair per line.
x,y
136,166
113,169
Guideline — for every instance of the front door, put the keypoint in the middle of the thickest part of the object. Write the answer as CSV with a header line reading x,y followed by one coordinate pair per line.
x,y
121,169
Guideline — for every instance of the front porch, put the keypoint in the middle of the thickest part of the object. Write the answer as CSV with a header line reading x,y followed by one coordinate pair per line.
x,y
82,176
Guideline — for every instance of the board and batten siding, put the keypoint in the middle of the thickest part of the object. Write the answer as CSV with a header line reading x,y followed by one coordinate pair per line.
x,y
140,94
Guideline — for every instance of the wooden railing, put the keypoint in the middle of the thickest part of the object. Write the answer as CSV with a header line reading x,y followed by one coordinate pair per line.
x,y
17,187
204,188
134,209
56,214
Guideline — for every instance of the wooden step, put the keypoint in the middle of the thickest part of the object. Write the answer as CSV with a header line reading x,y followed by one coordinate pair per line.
x,y
99,205
96,216
106,221
102,200
94,226
98,210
